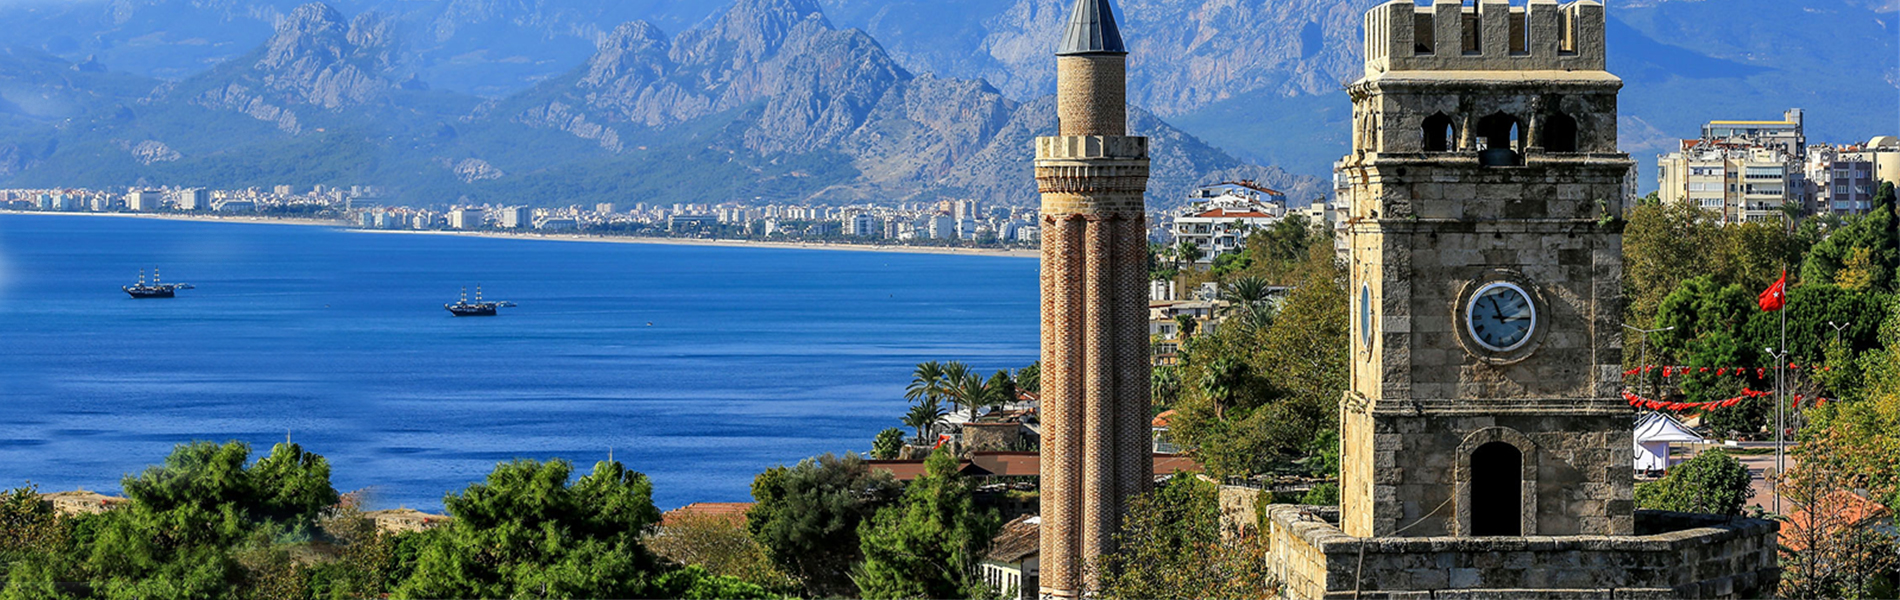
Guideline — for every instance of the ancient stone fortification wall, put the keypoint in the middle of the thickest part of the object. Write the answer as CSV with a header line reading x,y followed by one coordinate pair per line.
x,y
1680,556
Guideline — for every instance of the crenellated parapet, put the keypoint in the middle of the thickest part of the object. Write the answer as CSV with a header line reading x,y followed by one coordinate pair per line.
x,y
1092,174
1488,35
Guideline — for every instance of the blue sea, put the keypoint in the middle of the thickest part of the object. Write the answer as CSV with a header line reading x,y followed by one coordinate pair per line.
x,y
699,366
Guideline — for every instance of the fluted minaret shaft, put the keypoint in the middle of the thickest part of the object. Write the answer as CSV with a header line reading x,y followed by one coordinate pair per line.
x,y
1095,373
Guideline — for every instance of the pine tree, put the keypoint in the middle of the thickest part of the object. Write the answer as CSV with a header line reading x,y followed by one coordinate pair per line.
x,y
928,544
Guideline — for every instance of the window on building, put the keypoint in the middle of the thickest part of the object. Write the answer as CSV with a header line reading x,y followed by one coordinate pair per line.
x,y
1520,40
1500,131
1439,133
1560,133
1424,38
1473,31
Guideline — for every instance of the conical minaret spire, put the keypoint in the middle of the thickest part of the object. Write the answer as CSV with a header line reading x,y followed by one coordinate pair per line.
x,y
1096,451
1091,30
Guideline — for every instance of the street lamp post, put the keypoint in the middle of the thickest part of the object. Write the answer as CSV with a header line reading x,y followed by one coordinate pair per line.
x,y
1837,330
1781,466
1644,352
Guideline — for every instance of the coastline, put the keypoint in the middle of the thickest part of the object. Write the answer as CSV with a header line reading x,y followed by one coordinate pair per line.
x,y
565,237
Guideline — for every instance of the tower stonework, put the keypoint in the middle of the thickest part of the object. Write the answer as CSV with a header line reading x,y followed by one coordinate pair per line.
x,y
1484,444
1459,180
1095,371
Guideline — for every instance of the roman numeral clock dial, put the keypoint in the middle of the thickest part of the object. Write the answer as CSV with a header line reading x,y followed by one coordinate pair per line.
x,y
1501,317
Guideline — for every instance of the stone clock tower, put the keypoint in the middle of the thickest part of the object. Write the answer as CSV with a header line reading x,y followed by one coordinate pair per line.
x,y
1486,276
1484,442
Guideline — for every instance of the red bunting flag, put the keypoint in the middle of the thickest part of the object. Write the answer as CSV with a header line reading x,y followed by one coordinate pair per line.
x,y
1821,402
1722,371
1761,373
1776,295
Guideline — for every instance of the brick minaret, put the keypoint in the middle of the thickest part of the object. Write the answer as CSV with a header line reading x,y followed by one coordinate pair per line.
x,y
1095,442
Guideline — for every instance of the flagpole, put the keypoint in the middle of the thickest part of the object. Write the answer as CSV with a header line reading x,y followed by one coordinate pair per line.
x,y
1781,394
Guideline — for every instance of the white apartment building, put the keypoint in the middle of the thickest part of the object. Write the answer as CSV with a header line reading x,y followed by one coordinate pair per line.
x,y
465,218
1844,179
143,200
1219,218
1742,184
861,224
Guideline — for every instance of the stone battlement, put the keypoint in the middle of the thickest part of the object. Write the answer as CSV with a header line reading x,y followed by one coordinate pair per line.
x,y
1675,555
1091,147
1488,35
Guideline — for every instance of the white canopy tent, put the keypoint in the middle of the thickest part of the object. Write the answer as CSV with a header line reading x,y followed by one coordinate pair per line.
x,y
1654,433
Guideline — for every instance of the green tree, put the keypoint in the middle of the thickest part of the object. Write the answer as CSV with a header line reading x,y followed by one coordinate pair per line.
x,y
887,444
1030,377
924,416
1712,483
203,524
972,391
1256,396
1171,546
928,544
526,532
807,516
1187,324
1187,253
955,374
1002,389
926,383
1867,247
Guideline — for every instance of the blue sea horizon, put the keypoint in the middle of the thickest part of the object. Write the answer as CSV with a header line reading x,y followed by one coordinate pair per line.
x,y
699,366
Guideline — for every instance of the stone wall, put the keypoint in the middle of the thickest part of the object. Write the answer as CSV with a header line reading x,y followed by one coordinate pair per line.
x,y
1683,556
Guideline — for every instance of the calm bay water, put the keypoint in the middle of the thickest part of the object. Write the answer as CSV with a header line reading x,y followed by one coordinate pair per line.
x,y
699,366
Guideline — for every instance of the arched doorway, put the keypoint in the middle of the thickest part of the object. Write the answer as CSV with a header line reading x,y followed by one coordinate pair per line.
x,y
1497,483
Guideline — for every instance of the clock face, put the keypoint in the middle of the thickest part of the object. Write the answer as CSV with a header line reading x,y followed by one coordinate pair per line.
x,y
1365,315
1501,317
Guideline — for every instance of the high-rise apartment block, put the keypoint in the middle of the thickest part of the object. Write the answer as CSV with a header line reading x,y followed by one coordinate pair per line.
x,y
1096,446
1844,179
1789,135
1743,184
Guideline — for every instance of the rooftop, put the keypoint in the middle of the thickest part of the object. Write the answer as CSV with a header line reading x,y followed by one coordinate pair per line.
x,y
1019,539
733,511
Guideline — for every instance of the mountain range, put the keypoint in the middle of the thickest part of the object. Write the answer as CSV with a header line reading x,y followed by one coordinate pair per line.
x,y
831,100
769,100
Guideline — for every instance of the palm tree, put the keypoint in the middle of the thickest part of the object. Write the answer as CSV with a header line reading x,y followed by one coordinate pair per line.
x,y
1187,252
1221,381
1247,292
1187,324
925,383
971,391
1030,377
923,416
954,372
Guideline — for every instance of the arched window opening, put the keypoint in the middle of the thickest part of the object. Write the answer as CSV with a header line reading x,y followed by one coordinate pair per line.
x,y
1560,133
1439,134
1497,475
1500,139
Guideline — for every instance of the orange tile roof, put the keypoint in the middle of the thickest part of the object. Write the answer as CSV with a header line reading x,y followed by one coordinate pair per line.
x,y
1161,420
1845,509
734,511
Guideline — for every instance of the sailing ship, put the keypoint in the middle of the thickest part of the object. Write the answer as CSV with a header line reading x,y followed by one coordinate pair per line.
x,y
478,308
157,289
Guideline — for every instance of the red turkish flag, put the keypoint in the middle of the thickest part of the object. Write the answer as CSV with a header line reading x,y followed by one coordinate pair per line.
x,y
1776,296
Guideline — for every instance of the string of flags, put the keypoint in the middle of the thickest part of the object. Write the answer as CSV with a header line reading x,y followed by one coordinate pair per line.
x,y
1680,371
1641,402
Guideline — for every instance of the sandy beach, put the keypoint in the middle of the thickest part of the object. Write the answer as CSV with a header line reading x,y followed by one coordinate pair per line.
x,y
565,237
